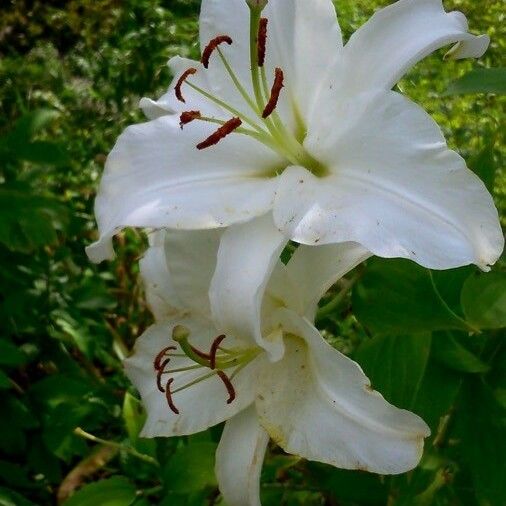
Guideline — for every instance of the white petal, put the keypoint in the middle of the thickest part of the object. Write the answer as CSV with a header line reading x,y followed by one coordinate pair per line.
x,y
303,38
239,459
194,101
191,261
379,53
200,406
323,408
395,188
155,177
316,268
247,256
161,295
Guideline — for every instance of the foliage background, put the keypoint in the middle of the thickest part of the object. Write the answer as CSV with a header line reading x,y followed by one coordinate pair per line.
x,y
71,74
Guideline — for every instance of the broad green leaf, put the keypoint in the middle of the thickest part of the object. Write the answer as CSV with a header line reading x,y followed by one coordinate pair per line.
x,y
44,153
116,491
480,81
5,384
484,300
361,488
10,355
396,365
191,469
11,498
398,296
449,351
483,443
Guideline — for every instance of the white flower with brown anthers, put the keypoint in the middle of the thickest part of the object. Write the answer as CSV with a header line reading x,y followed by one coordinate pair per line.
x,y
281,116
287,383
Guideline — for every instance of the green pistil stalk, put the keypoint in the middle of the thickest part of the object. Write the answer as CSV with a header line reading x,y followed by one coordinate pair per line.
x,y
189,351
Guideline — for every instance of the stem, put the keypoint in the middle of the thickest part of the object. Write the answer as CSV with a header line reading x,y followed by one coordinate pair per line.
x,y
331,307
86,435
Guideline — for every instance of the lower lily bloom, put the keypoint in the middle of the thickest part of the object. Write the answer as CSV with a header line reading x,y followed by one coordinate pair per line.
x,y
286,383
281,116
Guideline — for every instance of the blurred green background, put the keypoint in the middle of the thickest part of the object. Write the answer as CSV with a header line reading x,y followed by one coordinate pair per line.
x,y
71,75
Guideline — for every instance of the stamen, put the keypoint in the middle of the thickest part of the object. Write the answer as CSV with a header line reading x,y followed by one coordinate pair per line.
x,y
214,350
208,51
201,354
262,41
228,384
187,117
179,84
159,357
160,373
275,92
221,133
168,395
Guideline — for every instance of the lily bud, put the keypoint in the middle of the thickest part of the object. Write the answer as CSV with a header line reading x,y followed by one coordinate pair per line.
x,y
257,4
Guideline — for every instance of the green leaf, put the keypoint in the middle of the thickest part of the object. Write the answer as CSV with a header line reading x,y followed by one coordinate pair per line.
x,y
398,296
191,469
484,300
11,498
396,365
10,355
483,443
43,152
5,383
480,81
449,351
116,491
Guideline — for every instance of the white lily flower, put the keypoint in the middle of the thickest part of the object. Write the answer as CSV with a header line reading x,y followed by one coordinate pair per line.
x,y
330,149
287,384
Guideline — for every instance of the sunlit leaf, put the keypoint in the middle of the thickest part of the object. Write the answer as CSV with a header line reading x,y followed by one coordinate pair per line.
x,y
480,81
116,491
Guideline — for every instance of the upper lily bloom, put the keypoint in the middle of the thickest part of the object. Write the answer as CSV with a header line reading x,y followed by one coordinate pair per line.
x,y
281,116
286,383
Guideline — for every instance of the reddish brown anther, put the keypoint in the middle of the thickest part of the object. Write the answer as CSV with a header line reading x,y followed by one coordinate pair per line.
x,y
221,133
160,372
168,395
275,92
181,81
187,117
214,350
262,41
208,51
158,360
228,384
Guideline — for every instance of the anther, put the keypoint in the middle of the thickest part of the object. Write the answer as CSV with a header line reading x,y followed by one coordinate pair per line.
x,y
262,41
221,133
208,51
187,117
179,84
168,395
214,351
160,373
158,360
275,92
228,384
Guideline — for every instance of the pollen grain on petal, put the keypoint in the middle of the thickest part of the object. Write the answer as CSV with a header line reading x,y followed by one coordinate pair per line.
x,y
262,41
211,47
177,89
187,117
275,92
221,133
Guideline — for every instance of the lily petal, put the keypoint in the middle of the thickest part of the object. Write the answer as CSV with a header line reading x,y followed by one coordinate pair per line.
x,y
161,295
239,459
395,188
194,101
155,177
380,52
324,409
301,36
200,406
317,268
247,256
